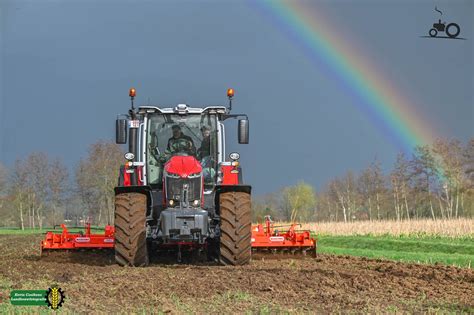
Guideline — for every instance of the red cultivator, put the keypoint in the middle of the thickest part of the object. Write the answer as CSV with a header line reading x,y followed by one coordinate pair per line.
x,y
265,238
269,238
67,240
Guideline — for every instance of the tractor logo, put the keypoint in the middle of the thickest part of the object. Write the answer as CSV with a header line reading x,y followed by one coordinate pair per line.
x,y
452,30
55,297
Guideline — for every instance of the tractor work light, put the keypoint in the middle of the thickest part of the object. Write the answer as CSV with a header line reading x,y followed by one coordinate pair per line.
x,y
129,156
132,92
230,93
234,156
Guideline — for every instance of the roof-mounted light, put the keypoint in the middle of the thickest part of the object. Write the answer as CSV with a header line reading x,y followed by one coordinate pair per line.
x,y
132,92
230,93
181,109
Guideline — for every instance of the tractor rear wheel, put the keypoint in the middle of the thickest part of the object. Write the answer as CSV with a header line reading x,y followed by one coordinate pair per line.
x,y
130,230
235,228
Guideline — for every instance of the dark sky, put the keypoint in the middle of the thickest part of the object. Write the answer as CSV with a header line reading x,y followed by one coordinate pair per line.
x,y
66,67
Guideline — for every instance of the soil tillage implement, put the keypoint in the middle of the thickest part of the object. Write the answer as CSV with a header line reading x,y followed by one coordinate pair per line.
x,y
73,241
268,238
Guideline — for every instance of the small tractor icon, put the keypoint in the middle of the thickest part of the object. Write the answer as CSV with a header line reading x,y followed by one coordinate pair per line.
x,y
452,30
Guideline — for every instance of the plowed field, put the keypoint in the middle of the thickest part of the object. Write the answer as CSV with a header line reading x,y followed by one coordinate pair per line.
x,y
93,283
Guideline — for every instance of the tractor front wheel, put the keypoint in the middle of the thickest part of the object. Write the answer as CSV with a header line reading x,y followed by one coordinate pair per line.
x,y
130,230
235,229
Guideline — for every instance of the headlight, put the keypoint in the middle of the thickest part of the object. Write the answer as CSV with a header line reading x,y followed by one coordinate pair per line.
x,y
196,203
234,156
129,156
171,202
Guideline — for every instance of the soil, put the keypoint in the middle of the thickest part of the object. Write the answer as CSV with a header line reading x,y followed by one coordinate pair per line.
x,y
92,282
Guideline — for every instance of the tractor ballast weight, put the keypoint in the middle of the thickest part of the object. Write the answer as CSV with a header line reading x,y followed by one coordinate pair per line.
x,y
177,190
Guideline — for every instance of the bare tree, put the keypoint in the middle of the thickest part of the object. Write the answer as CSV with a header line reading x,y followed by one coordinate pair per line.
x,y
58,186
344,190
3,178
4,194
400,177
299,202
468,161
96,177
468,185
424,174
20,193
366,189
37,167
3,183
449,156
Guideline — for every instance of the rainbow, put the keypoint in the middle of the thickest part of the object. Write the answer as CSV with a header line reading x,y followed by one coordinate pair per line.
x,y
392,113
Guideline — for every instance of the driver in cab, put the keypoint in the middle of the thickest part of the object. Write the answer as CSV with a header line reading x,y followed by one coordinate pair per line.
x,y
180,142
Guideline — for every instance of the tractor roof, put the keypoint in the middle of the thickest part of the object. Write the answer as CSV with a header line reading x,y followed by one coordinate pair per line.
x,y
182,109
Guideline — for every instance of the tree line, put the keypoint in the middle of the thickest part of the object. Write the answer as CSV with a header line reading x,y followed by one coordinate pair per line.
x,y
436,181
39,191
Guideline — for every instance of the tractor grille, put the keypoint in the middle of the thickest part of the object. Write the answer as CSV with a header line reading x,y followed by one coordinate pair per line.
x,y
175,187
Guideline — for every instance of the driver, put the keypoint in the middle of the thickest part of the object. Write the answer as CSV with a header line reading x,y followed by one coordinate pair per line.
x,y
205,149
179,142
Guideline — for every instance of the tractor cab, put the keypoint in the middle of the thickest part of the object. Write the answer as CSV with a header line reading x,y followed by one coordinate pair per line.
x,y
196,135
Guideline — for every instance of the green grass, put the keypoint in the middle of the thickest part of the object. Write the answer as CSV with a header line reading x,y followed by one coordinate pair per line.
x,y
448,251
28,231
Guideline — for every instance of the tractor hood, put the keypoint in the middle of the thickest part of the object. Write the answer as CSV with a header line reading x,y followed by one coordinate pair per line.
x,y
183,166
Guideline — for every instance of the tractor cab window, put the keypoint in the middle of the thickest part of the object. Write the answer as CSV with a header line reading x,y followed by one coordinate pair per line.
x,y
169,135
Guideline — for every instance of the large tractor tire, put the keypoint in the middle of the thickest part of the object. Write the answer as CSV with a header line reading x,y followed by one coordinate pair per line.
x,y
235,228
130,230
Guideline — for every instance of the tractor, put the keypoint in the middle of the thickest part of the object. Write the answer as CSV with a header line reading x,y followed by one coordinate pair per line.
x,y
441,27
177,191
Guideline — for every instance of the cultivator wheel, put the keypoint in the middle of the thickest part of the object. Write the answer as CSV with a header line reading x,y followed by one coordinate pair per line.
x,y
130,230
235,247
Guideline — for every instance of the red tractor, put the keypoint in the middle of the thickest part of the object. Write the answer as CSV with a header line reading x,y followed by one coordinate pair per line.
x,y
177,191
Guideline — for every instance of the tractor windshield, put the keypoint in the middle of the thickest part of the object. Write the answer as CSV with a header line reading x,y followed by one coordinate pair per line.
x,y
172,134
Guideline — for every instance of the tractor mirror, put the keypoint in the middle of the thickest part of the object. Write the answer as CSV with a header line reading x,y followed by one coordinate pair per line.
x,y
243,131
121,131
